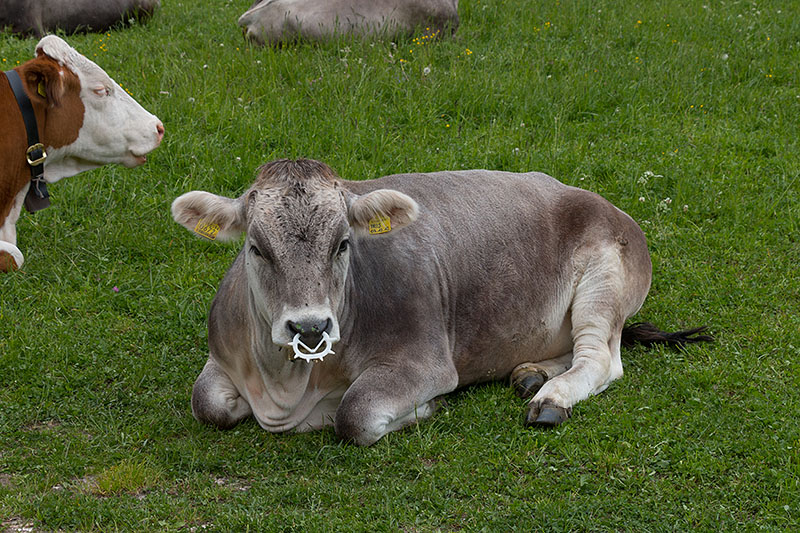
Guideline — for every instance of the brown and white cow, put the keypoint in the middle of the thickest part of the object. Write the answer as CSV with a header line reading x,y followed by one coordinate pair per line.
x,y
41,16
420,283
273,21
85,120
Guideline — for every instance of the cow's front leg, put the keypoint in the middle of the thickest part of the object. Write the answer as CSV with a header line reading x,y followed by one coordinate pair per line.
x,y
386,398
10,257
215,399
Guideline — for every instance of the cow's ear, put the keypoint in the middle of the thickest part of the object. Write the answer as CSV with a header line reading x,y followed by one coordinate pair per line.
x,y
209,215
44,81
381,211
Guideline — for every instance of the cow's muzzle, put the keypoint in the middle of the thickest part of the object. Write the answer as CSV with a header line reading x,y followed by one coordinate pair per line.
x,y
310,331
307,332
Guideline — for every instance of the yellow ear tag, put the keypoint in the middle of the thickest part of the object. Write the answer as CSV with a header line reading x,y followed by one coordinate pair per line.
x,y
379,224
41,90
209,230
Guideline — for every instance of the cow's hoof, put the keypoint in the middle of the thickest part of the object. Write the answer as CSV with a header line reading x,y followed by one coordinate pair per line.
x,y
547,416
7,262
529,384
527,379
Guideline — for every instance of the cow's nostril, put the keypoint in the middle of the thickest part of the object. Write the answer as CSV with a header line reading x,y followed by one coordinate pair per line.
x,y
160,130
295,327
324,326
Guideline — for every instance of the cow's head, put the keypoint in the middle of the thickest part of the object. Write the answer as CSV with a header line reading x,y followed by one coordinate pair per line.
x,y
301,224
91,121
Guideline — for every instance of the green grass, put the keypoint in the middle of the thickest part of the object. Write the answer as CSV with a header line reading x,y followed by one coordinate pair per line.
x,y
697,104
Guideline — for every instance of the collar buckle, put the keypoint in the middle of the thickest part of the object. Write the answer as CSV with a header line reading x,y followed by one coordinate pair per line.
x,y
37,151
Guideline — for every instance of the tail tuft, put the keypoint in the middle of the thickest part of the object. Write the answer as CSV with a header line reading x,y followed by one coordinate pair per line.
x,y
647,334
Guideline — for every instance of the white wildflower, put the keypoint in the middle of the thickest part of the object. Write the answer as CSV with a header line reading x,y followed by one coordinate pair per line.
x,y
644,178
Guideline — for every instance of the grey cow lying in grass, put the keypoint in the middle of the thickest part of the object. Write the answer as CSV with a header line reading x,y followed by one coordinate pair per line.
x,y
404,288
42,16
273,21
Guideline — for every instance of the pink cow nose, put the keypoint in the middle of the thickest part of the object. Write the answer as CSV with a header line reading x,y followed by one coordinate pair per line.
x,y
160,131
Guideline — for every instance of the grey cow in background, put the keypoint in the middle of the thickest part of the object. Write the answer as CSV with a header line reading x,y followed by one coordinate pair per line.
x,y
272,21
420,283
43,16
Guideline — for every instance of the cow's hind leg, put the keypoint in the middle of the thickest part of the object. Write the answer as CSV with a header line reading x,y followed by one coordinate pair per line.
x,y
597,318
528,378
386,398
215,399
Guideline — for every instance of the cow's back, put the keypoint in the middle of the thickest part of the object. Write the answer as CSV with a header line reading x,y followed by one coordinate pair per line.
x,y
498,252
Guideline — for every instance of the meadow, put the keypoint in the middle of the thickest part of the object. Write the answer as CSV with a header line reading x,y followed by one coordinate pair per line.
x,y
684,116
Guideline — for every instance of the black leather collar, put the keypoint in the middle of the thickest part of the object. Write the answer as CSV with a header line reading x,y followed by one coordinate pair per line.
x,y
37,197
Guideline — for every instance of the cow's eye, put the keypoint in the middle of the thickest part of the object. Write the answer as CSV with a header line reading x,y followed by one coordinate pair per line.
x,y
255,251
101,91
343,247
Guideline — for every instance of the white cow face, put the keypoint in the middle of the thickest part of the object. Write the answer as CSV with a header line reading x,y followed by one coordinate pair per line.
x,y
114,128
302,226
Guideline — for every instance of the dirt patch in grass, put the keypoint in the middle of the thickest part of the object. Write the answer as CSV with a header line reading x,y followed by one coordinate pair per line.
x,y
41,425
18,525
6,481
232,483
85,484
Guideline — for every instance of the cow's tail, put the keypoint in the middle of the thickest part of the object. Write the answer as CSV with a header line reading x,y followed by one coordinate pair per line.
x,y
647,334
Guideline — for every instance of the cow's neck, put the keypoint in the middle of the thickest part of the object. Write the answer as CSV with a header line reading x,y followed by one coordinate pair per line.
x,y
292,395
289,378
16,174
278,393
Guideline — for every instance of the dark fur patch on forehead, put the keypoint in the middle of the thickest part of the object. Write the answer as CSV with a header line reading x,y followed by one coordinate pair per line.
x,y
293,173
